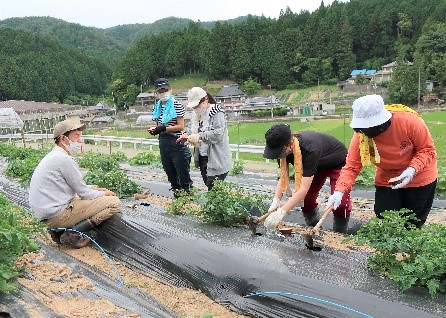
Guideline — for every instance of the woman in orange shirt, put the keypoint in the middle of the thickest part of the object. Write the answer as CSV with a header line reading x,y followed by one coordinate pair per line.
x,y
399,144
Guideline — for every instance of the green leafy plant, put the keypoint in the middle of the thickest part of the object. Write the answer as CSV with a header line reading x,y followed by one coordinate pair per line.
x,y
98,161
238,166
22,161
16,230
366,177
119,156
441,181
186,203
23,168
144,159
116,181
228,204
408,255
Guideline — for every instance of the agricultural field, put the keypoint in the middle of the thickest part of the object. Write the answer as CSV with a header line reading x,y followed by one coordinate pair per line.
x,y
252,133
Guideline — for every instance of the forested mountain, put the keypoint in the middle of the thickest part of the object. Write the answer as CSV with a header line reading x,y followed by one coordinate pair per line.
x,y
293,51
87,40
41,69
128,34
300,49
108,44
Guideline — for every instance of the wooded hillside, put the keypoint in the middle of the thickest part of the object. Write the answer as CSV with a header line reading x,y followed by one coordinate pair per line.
x,y
294,51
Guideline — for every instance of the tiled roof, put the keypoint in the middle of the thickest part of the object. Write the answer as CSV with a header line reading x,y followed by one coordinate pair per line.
x,y
230,90
21,106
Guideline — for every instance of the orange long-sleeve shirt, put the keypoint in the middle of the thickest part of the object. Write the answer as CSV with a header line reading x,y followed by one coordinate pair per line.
x,y
407,142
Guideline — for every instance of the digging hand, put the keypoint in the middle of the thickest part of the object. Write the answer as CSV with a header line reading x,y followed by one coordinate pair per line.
x,y
335,199
274,205
274,218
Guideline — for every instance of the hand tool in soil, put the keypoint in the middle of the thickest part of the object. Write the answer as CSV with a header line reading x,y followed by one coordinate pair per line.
x,y
308,237
253,220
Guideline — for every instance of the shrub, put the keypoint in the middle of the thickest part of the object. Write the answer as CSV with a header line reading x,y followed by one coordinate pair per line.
x,y
228,204
16,229
144,159
186,203
98,161
238,167
116,181
408,255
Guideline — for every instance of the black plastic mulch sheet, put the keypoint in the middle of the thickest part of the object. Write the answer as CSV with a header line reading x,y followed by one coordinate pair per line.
x,y
259,276
131,301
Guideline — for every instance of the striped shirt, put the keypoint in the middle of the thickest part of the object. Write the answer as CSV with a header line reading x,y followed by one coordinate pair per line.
x,y
179,109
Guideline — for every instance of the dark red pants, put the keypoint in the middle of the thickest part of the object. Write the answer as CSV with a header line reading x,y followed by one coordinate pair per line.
x,y
310,201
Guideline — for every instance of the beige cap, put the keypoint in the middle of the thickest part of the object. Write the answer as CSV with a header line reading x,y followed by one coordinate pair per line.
x,y
66,125
194,96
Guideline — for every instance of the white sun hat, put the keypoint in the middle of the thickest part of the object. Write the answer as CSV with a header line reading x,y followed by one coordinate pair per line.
x,y
194,96
369,111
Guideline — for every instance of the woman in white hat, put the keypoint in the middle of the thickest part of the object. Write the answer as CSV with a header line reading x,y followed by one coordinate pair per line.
x,y
211,141
399,144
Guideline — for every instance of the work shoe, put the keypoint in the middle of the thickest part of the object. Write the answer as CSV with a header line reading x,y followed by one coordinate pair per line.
x,y
312,217
74,239
55,235
340,225
72,236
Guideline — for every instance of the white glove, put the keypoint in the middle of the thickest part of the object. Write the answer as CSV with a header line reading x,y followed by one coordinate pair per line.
x,y
335,199
194,140
274,205
405,178
274,218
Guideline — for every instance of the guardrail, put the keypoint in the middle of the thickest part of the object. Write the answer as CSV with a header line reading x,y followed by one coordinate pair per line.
x,y
237,149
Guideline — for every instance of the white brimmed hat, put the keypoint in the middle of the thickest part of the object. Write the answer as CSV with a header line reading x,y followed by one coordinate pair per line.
x,y
194,96
369,111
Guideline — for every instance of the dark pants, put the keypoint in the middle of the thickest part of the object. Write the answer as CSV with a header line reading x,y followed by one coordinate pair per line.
x,y
310,201
208,180
419,200
175,157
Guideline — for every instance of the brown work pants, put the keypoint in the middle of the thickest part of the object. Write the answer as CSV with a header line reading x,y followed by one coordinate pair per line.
x,y
98,210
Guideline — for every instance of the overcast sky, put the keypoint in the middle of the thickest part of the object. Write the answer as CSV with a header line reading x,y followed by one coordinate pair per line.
x,y
108,13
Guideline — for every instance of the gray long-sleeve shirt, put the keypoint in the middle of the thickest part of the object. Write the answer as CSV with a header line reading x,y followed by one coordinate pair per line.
x,y
215,134
55,182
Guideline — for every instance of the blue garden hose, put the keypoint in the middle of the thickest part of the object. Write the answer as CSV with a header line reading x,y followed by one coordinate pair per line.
x,y
119,278
309,297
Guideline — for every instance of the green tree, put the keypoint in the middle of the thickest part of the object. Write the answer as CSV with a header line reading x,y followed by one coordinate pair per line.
x,y
251,86
403,88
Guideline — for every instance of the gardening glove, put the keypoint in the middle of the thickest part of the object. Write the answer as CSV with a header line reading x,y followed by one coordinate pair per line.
x,y
404,178
335,199
157,130
194,140
274,205
274,218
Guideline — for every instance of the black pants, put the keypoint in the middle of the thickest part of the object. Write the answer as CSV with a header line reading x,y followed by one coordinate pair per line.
x,y
419,200
208,180
175,157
